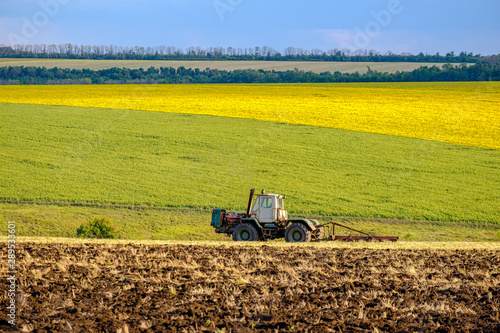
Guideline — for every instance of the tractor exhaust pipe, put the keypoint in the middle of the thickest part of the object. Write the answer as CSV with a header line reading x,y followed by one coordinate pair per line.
x,y
252,191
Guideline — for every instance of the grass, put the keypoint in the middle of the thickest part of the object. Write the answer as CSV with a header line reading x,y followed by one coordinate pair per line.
x,y
465,113
146,223
317,67
131,223
65,154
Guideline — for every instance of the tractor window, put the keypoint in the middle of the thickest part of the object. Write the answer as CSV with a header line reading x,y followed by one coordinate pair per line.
x,y
266,202
256,205
280,203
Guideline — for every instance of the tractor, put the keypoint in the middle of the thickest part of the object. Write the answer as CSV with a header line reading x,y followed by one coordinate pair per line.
x,y
267,219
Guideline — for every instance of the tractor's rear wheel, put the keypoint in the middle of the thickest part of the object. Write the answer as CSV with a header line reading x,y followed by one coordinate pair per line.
x,y
245,232
297,232
321,233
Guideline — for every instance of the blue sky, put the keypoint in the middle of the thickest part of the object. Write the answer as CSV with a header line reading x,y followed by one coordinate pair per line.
x,y
383,25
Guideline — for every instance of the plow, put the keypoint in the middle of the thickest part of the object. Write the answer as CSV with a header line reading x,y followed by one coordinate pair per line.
x,y
330,234
267,219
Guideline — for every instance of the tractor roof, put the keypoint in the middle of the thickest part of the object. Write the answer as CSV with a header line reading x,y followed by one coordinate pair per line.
x,y
270,195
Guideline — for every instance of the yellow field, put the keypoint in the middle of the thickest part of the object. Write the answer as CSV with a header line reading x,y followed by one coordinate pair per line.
x,y
466,113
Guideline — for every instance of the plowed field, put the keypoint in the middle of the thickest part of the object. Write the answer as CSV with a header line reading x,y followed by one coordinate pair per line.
x,y
208,288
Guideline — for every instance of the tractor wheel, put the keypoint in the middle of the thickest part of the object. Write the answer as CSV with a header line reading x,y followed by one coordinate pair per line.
x,y
321,233
297,232
245,232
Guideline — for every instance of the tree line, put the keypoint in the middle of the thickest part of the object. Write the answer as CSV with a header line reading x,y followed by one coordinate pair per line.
x,y
484,71
113,52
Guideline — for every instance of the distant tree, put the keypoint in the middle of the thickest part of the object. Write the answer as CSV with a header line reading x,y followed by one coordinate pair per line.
x,y
487,69
490,61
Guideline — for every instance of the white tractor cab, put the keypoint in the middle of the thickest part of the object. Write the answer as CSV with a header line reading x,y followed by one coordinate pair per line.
x,y
269,208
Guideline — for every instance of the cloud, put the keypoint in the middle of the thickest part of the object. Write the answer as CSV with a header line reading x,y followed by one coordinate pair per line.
x,y
335,36
11,31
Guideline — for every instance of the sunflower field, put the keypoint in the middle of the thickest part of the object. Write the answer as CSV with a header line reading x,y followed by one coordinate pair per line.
x,y
464,113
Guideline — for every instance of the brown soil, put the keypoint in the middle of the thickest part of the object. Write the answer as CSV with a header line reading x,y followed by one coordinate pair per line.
x,y
195,288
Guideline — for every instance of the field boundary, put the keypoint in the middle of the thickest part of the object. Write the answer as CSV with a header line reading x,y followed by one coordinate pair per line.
x,y
93,204
414,245
321,218
314,66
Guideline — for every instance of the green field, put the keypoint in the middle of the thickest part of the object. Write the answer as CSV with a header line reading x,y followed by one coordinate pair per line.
x,y
147,223
140,223
317,67
57,154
